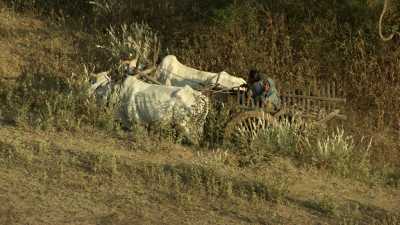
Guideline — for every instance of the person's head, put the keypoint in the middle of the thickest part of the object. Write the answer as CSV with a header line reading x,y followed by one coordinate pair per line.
x,y
252,72
267,86
254,76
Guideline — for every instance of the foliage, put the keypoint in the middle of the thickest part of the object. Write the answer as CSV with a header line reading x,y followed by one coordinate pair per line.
x,y
136,41
44,100
325,204
214,126
309,145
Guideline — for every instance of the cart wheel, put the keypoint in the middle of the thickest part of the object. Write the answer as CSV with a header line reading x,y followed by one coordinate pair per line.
x,y
246,126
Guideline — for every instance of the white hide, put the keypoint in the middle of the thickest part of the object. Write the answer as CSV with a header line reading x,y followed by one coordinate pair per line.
x,y
173,73
149,103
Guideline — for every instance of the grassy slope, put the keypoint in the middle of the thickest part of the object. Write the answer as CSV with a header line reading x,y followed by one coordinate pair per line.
x,y
65,178
89,177
26,40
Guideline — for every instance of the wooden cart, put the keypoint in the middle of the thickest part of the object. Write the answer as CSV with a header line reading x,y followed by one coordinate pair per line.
x,y
317,103
248,118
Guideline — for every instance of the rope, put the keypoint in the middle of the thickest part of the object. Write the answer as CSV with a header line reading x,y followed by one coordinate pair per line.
x,y
217,81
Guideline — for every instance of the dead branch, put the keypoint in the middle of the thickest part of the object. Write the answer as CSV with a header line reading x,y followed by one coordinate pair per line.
x,y
390,37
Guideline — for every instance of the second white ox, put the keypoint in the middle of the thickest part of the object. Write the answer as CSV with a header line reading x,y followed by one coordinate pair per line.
x,y
173,73
146,103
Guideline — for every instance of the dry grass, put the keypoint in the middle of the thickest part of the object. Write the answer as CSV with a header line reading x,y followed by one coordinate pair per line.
x,y
97,180
81,174
27,40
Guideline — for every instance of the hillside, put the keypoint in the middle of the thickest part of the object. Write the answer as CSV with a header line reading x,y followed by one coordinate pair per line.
x,y
71,178
26,40
64,159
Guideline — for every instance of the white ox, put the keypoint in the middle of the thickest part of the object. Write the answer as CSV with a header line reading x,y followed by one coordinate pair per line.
x,y
146,103
173,73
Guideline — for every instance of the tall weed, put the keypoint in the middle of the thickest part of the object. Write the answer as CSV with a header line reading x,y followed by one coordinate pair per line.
x,y
310,145
45,100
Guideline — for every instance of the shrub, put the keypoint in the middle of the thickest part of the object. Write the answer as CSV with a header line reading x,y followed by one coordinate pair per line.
x,y
281,139
338,153
310,145
44,100
326,204
214,126
134,41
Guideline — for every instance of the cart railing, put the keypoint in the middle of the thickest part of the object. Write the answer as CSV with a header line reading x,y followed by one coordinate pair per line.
x,y
312,102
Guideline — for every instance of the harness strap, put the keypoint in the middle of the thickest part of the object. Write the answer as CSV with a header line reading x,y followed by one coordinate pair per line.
x,y
217,81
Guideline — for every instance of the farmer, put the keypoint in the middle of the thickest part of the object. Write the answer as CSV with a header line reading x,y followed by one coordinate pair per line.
x,y
262,89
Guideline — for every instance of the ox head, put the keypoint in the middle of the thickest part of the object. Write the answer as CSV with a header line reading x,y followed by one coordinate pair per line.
x,y
132,67
100,86
99,80
228,81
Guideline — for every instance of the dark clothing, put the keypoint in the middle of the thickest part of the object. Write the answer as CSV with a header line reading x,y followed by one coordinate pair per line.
x,y
259,94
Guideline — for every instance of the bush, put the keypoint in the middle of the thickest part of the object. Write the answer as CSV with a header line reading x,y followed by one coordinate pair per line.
x,y
44,100
281,139
214,126
134,41
338,153
310,145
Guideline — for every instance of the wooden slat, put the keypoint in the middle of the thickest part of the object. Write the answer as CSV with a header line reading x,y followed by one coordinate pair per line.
x,y
319,95
328,94
315,98
323,94
308,101
334,90
334,94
